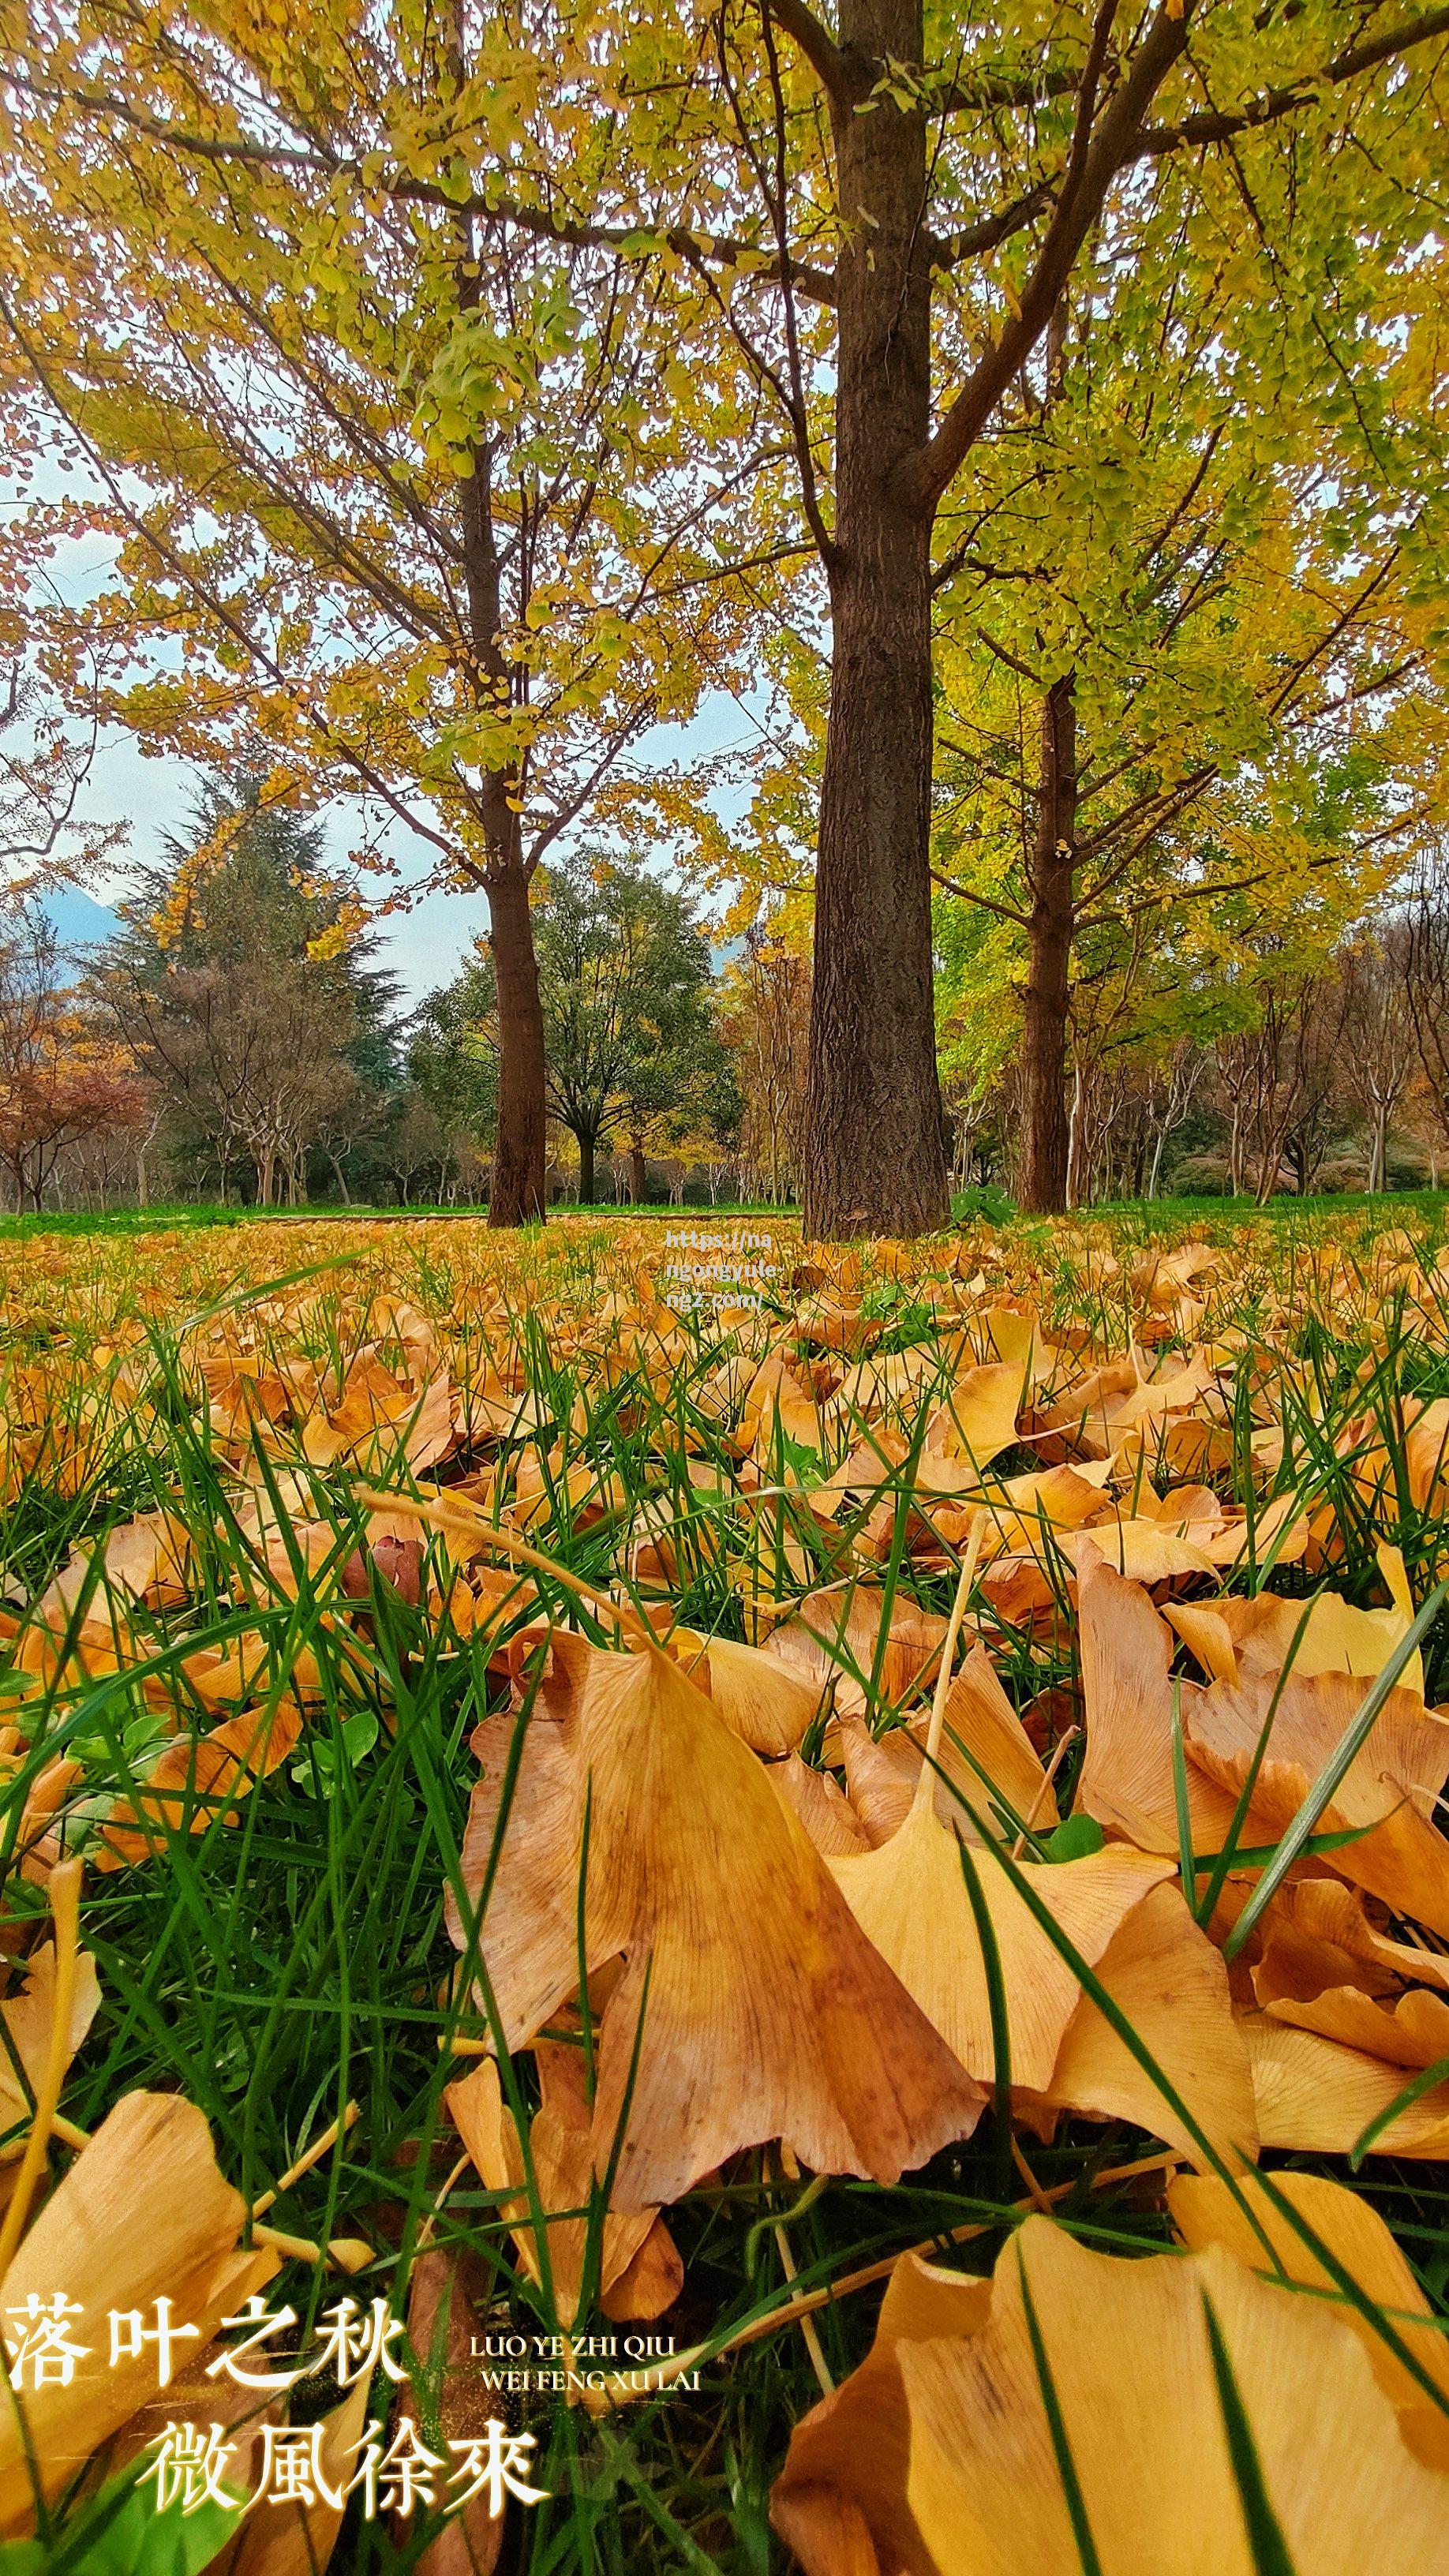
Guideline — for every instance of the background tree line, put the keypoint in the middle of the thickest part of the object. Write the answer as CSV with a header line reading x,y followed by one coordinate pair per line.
x,y
1310,1061
238,1040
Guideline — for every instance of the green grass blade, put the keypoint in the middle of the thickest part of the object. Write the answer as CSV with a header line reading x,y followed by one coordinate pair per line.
x,y
1000,2012
1076,2502
1355,1737
1265,2532
1424,2082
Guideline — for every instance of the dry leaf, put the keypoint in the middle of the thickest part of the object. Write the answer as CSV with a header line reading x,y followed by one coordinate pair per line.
x,y
1126,1776
142,2214
1163,1973
29,2019
1315,2093
911,1900
938,2458
1206,2212
299,2539
1394,1777
760,2010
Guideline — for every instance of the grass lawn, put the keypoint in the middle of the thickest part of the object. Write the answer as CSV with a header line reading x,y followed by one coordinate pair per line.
x,y
1127,1219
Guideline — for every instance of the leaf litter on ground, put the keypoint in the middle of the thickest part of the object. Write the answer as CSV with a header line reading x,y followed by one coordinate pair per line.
x,y
461,1664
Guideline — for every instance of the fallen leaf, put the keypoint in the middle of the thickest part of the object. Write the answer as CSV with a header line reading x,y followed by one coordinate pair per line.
x,y
911,1901
29,2019
1314,2093
758,2009
143,2213
1165,1976
1127,2349
1206,2212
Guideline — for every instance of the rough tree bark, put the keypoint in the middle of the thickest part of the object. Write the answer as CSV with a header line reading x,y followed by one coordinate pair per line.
x,y
638,1175
516,1189
586,1171
1046,1000
876,1157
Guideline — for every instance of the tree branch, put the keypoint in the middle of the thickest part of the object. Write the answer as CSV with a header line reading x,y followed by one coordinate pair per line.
x,y
947,249
988,903
631,241
635,723
216,605
777,199
1212,126
1002,89
724,250
1168,895
1093,161
841,81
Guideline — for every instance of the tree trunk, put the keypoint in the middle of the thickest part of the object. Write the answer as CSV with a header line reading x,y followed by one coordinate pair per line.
x,y
1046,1141
876,1161
1076,1139
1379,1155
586,1171
516,1192
638,1175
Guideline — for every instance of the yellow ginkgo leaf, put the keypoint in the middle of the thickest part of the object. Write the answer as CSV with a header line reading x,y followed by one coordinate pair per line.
x,y
1084,2412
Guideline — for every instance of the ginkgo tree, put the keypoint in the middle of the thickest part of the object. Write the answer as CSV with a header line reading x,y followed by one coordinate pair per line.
x,y
965,172
1189,651
405,503
889,209
1188,666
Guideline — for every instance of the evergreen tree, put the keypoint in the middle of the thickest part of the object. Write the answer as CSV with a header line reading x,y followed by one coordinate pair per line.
x,y
242,987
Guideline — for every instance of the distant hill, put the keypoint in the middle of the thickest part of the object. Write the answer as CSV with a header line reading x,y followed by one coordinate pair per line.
x,y
79,922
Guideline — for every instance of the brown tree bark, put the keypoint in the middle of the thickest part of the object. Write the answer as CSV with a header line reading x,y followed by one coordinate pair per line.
x,y
516,1188
1046,1001
638,1175
876,1160
516,1191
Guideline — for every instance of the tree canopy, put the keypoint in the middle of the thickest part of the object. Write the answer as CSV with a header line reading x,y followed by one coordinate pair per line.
x,y
634,1050
462,395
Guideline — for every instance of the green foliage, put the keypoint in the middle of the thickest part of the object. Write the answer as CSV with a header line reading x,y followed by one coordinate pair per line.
x,y
630,1032
1203,516
452,1055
